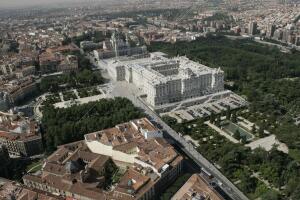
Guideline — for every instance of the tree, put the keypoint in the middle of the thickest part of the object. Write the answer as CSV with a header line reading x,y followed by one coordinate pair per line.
x,y
228,113
270,195
200,123
261,131
292,186
237,134
234,118
243,139
296,193
248,184
70,124
169,120
253,130
218,122
263,74
232,160
212,118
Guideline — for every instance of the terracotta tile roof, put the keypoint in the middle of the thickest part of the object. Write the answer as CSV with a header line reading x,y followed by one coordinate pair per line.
x,y
127,136
8,136
80,189
132,181
126,147
196,186
62,49
59,155
20,192
74,168
14,127
54,168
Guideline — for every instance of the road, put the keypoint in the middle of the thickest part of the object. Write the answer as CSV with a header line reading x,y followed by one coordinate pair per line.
x,y
126,90
281,47
37,114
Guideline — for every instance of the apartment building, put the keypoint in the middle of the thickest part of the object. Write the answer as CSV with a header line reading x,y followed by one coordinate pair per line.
x,y
11,190
14,91
62,58
145,163
19,135
197,187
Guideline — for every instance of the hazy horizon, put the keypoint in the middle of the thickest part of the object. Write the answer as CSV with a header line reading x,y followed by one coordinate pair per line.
x,y
30,3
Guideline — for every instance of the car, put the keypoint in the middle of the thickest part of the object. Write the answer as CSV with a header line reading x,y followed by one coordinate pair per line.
x,y
220,183
213,184
206,173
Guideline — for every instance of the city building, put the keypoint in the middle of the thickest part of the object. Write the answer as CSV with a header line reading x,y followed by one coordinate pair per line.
x,y
18,64
57,62
166,80
140,144
65,49
116,47
10,190
25,71
145,162
4,101
19,135
252,28
69,64
197,188
59,59
89,45
16,90
49,62
270,30
4,160
297,40
278,34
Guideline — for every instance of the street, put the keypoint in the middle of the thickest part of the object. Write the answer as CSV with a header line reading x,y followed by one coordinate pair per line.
x,y
127,90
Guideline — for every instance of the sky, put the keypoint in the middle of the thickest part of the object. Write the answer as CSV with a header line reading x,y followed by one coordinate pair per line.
x,y
23,3
26,3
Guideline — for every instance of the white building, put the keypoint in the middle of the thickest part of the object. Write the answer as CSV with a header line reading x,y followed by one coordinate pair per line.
x,y
166,80
135,142
116,47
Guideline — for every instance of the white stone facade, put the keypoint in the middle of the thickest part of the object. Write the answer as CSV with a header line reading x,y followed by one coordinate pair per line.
x,y
166,80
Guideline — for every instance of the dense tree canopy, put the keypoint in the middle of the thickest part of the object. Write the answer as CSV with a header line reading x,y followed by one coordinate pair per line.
x,y
95,36
66,125
240,163
266,76
81,79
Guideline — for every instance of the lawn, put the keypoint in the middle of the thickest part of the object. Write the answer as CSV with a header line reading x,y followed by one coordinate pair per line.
x,y
34,166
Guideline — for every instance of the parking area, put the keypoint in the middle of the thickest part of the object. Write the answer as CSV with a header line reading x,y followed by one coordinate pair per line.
x,y
216,106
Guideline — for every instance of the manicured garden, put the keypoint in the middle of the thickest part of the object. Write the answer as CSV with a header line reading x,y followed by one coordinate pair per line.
x,y
258,173
68,95
87,92
236,131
